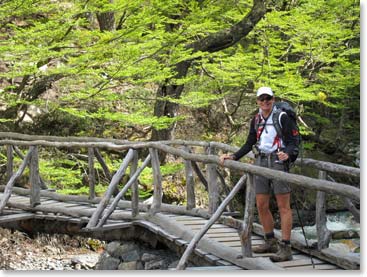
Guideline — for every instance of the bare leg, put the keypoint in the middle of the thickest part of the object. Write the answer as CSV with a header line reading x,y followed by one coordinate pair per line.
x,y
283,202
266,218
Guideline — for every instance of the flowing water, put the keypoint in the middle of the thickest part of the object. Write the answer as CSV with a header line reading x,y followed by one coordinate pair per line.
x,y
337,223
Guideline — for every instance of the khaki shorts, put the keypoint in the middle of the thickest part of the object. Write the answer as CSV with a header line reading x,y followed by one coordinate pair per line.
x,y
264,185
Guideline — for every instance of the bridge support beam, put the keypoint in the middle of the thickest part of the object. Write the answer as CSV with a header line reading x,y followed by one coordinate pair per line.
x,y
92,175
190,183
213,188
323,234
34,179
9,165
157,182
246,229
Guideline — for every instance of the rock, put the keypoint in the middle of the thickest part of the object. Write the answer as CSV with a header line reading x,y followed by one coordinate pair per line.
x,y
87,261
146,257
112,246
107,262
345,234
155,265
133,265
124,248
130,256
173,264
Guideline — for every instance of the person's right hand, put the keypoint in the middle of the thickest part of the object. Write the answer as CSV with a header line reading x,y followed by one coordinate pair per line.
x,y
224,157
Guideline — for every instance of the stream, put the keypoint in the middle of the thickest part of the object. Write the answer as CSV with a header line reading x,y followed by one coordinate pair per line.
x,y
337,223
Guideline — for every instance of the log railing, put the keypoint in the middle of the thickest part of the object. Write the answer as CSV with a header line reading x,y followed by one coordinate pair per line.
x,y
101,214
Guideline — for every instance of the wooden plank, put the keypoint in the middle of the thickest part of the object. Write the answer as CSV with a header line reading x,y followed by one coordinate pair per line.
x,y
181,242
300,262
215,226
232,243
185,217
233,237
19,199
200,252
214,268
16,217
220,233
113,226
61,204
193,222
295,255
212,258
223,262
226,239
317,267
49,201
166,235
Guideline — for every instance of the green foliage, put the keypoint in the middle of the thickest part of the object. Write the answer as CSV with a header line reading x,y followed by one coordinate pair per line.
x,y
167,169
105,82
99,190
60,177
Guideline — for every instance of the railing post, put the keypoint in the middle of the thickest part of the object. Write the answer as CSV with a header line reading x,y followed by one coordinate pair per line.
x,y
10,163
323,234
213,188
134,187
190,184
92,177
157,181
9,186
246,230
99,157
34,179
93,221
195,240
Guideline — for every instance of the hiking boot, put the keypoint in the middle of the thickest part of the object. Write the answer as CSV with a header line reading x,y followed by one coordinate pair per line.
x,y
284,253
270,246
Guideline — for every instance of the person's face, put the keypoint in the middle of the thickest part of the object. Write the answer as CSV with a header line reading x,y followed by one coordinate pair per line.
x,y
265,102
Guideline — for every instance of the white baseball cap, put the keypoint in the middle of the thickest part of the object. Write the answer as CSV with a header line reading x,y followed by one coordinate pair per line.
x,y
264,90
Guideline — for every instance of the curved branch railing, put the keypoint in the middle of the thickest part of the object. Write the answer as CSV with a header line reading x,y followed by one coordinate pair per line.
x,y
210,160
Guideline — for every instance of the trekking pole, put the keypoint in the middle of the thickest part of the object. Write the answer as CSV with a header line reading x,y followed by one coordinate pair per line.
x,y
300,220
303,231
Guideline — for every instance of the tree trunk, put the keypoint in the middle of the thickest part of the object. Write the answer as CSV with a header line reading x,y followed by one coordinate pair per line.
x,y
212,43
106,20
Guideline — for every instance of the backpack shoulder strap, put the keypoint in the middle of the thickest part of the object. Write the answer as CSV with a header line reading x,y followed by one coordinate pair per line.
x,y
257,126
276,121
257,121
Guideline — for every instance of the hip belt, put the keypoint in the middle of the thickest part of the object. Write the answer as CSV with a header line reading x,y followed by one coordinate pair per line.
x,y
266,155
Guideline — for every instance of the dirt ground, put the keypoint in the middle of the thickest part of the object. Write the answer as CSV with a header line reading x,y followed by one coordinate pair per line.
x,y
18,251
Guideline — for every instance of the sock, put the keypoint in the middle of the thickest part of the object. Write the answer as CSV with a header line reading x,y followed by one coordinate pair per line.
x,y
286,242
269,235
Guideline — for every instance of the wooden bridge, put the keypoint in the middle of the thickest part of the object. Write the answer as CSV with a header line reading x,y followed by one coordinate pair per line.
x,y
223,241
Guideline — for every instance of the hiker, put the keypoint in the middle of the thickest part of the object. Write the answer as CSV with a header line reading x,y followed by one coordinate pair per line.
x,y
273,151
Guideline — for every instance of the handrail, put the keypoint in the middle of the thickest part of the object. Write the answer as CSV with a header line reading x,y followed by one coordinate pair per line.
x,y
116,144
212,161
293,179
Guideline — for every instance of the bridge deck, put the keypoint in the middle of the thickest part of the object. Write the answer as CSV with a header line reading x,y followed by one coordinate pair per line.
x,y
218,234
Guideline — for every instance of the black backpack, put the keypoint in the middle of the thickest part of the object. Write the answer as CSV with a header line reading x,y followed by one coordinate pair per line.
x,y
285,107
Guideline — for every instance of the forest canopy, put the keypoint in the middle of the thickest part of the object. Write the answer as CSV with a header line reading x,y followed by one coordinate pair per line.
x,y
164,69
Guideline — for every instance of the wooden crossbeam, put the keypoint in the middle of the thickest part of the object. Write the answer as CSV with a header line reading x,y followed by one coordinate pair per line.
x,y
15,217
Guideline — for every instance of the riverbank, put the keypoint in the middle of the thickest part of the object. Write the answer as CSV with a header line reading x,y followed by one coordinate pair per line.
x,y
18,251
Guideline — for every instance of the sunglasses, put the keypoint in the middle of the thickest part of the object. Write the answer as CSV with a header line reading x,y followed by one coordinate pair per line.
x,y
265,98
